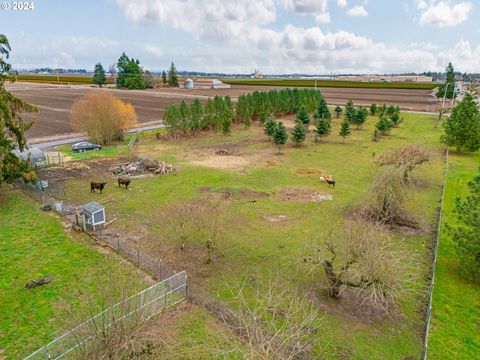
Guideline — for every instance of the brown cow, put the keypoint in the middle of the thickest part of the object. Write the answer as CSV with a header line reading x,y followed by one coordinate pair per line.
x,y
96,185
124,181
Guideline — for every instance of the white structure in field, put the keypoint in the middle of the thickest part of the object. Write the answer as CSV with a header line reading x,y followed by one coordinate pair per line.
x,y
93,214
205,84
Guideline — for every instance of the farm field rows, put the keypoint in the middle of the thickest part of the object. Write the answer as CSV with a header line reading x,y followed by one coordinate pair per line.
x,y
254,186
54,103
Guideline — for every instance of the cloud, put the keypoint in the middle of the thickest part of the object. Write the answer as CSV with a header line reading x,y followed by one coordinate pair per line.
x,y
443,13
64,60
462,55
154,50
357,11
317,8
342,3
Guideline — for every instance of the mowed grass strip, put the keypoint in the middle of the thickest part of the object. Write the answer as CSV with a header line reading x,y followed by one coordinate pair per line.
x,y
33,244
455,326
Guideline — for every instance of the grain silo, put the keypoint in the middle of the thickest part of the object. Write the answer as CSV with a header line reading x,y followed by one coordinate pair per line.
x,y
189,84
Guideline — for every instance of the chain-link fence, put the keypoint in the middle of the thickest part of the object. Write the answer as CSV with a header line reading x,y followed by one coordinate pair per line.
x,y
144,305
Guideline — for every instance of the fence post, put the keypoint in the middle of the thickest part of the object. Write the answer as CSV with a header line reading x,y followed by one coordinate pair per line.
x,y
118,244
165,296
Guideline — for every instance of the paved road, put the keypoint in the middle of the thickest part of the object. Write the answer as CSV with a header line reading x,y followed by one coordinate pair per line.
x,y
73,138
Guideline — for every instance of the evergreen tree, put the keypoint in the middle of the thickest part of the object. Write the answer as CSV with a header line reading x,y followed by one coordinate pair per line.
x,y
338,111
395,118
149,80
383,125
171,119
12,126
373,109
298,134
164,77
130,74
172,76
280,136
359,117
302,117
349,111
462,128
322,110
99,77
345,129
227,115
184,117
322,129
269,127
449,85
196,114
466,232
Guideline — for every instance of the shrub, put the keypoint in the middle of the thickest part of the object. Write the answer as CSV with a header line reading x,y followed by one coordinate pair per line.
x,y
303,118
102,117
385,202
373,109
322,111
338,111
384,125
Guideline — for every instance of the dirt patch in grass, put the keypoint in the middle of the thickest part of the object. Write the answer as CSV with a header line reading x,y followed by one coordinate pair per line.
x,y
87,169
275,218
236,194
224,162
303,195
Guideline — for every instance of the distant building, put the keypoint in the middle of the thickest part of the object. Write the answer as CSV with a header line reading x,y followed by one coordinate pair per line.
x,y
393,78
205,84
257,74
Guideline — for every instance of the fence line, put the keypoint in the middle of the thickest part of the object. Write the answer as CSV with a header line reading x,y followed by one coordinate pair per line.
x,y
150,301
434,266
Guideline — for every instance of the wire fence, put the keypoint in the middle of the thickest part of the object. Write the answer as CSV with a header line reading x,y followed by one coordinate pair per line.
x,y
434,266
145,304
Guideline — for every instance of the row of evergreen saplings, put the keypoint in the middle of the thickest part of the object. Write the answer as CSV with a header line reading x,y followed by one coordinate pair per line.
x,y
219,114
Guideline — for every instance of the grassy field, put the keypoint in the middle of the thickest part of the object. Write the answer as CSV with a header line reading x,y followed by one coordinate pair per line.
x,y
53,79
455,332
34,244
258,249
332,83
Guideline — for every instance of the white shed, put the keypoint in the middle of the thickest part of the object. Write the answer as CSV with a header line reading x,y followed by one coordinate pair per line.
x,y
94,214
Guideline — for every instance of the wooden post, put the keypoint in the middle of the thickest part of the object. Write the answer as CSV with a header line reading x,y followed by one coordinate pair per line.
x,y
84,223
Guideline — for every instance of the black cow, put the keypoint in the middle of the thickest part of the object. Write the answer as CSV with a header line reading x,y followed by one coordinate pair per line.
x,y
124,181
96,185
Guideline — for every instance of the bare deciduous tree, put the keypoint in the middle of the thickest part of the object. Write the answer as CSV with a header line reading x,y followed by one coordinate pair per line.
x,y
362,259
103,117
406,158
276,324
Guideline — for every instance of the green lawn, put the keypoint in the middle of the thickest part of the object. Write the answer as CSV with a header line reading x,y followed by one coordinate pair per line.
x,y
259,249
34,244
455,326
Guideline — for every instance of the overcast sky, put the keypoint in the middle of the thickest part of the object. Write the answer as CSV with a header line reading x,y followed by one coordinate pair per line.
x,y
275,36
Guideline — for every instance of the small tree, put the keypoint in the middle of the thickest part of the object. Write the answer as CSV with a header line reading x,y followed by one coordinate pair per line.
x,y
462,128
184,117
103,117
466,232
322,129
373,109
359,117
99,77
349,111
345,129
383,125
302,117
322,110
196,113
172,76
149,80
280,136
269,127
298,134
338,111
164,77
